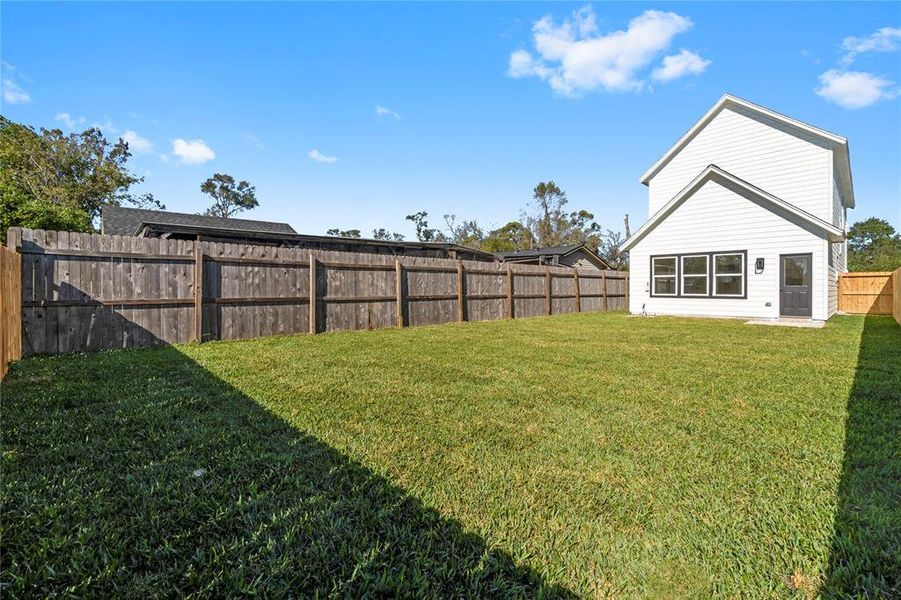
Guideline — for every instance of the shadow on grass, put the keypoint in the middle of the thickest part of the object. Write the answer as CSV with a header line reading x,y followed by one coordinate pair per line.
x,y
141,473
866,549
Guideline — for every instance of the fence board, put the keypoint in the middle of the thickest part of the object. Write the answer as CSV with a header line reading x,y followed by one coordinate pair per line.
x,y
89,292
896,295
10,307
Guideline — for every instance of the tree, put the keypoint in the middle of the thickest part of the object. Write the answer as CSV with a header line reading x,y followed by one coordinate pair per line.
x,y
49,180
228,198
512,236
347,233
873,245
424,233
384,234
610,250
464,233
551,225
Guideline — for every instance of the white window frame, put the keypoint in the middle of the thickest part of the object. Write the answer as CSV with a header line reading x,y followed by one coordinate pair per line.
x,y
674,276
705,275
742,273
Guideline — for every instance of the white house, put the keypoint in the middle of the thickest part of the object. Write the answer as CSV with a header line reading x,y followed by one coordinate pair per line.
x,y
748,213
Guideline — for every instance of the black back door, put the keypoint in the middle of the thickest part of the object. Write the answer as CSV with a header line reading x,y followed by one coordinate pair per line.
x,y
795,299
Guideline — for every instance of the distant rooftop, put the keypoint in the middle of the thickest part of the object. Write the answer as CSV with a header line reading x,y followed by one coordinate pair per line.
x,y
536,252
117,220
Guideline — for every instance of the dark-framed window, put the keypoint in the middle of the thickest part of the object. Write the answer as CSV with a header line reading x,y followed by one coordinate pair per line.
x,y
664,275
700,275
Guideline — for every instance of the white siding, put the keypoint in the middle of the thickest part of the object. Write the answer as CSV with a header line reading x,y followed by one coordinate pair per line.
x,y
783,161
838,210
838,263
717,219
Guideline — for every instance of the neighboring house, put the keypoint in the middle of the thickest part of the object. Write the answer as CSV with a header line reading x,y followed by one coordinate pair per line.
x,y
578,255
748,215
138,222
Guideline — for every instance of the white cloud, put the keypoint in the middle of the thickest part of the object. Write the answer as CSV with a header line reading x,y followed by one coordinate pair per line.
x,y
12,90
254,140
886,39
680,65
192,152
319,157
68,121
383,112
574,56
854,89
107,127
136,143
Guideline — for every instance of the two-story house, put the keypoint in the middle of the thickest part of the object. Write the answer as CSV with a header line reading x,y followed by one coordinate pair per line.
x,y
747,219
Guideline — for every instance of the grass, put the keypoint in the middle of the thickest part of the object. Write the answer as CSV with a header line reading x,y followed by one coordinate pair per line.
x,y
581,455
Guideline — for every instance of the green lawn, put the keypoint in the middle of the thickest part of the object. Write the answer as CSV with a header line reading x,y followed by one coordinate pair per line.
x,y
581,455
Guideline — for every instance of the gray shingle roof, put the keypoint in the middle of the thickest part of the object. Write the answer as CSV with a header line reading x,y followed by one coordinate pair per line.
x,y
117,220
536,252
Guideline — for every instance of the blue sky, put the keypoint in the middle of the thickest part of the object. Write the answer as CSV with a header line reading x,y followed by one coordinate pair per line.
x,y
479,101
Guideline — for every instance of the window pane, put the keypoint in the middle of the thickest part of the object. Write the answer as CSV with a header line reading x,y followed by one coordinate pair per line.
x,y
664,285
797,270
694,285
729,285
728,263
694,265
665,266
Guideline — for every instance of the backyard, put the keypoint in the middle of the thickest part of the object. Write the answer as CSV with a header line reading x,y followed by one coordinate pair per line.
x,y
569,456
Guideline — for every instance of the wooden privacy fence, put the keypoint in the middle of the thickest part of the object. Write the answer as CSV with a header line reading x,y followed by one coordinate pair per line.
x,y
866,293
10,308
84,292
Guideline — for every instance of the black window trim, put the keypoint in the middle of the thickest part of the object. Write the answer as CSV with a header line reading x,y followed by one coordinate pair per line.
x,y
681,280
711,282
675,276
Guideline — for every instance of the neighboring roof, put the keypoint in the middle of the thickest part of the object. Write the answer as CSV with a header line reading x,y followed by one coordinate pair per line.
x,y
536,252
133,221
560,251
840,144
117,220
714,172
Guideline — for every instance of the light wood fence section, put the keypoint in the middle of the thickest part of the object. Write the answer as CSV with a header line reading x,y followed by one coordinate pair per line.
x,y
866,293
896,295
10,308
85,292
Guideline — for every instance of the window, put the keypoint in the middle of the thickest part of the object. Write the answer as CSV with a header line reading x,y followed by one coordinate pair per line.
x,y
700,275
663,271
729,274
694,275
796,271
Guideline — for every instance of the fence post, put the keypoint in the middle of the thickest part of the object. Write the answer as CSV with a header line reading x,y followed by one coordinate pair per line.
x,y
577,291
198,290
547,290
399,290
625,281
510,312
313,279
461,308
605,305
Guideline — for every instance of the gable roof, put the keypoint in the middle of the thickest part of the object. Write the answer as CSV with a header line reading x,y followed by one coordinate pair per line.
x,y
118,220
531,253
842,160
713,172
